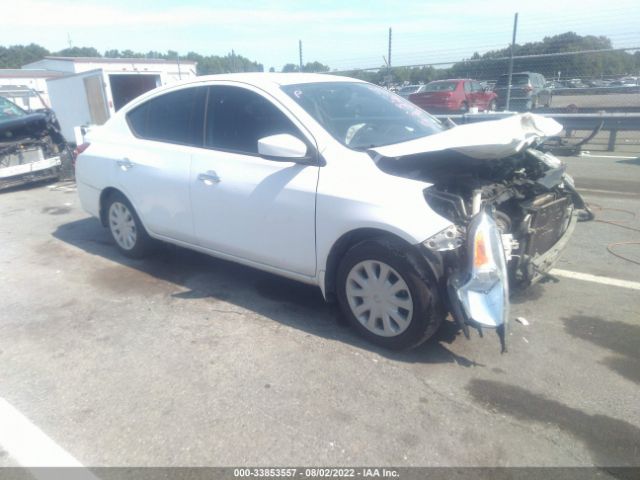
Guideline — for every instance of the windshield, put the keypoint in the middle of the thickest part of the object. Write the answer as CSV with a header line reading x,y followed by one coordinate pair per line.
x,y
441,87
9,110
361,115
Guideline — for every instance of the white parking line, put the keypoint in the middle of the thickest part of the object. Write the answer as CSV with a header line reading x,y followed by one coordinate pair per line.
x,y
31,447
608,192
583,154
614,282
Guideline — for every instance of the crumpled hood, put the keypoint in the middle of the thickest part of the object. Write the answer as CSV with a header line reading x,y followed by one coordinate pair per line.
x,y
489,140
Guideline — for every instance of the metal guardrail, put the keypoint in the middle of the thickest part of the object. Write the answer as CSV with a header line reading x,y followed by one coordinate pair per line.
x,y
632,89
611,122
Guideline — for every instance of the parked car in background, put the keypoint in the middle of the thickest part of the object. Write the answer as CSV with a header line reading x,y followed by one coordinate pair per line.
x,y
337,183
410,89
625,82
528,91
31,146
455,95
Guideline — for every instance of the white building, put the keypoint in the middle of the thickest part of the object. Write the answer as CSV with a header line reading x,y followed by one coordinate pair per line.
x,y
88,90
16,82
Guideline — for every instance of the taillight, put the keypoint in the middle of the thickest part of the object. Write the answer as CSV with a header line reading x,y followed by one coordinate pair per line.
x,y
528,88
79,149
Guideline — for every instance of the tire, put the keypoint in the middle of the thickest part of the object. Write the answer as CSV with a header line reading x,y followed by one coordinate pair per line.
x,y
492,106
125,227
66,171
404,308
464,107
534,103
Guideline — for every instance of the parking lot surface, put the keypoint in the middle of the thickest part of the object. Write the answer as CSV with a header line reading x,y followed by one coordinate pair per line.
x,y
182,359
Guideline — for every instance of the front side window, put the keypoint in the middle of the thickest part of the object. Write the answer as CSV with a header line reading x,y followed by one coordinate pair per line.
x,y
175,117
237,118
361,115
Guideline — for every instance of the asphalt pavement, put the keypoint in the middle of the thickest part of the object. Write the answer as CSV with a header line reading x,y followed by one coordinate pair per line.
x,y
182,359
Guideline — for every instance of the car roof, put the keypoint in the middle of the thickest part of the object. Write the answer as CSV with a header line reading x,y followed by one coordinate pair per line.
x,y
273,79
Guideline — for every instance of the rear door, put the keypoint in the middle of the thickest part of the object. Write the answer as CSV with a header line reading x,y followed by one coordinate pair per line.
x,y
246,206
153,169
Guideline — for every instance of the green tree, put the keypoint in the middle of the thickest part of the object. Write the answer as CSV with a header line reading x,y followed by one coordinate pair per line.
x,y
78,52
15,56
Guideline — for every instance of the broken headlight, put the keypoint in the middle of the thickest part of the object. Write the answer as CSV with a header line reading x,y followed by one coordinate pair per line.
x,y
483,289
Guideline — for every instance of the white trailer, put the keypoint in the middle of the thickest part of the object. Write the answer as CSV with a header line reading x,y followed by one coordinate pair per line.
x,y
93,89
90,98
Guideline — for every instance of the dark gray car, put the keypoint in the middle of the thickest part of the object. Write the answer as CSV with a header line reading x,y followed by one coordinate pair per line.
x,y
528,91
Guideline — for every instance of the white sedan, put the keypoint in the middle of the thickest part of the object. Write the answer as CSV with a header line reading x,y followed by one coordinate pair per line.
x,y
337,183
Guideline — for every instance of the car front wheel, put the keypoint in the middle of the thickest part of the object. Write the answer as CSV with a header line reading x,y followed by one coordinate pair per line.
x,y
126,228
384,296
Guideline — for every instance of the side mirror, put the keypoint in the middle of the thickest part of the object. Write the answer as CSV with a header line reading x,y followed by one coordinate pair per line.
x,y
284,147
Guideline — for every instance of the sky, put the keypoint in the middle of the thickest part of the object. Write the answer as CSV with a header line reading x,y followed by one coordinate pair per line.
x,y
341,34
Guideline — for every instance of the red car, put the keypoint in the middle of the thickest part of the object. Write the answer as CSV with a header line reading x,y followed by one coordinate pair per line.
x,y
455,95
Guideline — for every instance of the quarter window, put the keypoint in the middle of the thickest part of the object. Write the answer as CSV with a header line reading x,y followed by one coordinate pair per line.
x,y
175,117
237,118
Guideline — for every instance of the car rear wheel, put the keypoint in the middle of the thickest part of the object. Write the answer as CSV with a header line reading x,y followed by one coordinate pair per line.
x,y
464,107
492,106
125,227
384,297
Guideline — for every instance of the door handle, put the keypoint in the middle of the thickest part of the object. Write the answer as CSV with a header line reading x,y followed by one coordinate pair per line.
x,y
125,164
209,178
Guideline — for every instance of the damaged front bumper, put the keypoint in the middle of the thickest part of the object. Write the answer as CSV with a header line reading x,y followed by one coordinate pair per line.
x,y
478,290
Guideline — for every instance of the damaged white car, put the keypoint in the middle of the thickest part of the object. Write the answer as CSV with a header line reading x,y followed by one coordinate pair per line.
x,y
337,183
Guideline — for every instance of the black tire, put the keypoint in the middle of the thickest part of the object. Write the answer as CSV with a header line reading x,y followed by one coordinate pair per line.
x,y
66,171
492,106
143,243
464,107
427,313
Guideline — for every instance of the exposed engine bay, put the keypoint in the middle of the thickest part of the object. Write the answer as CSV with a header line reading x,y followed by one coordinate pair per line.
x,y
512,207
31,145
531,197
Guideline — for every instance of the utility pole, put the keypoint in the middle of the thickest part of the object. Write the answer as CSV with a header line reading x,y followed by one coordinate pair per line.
x,y
300,52
388,62
513,42
233,61
179,72
389,55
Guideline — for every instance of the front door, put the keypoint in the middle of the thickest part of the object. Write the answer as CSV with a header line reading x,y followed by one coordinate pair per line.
x,y
244,205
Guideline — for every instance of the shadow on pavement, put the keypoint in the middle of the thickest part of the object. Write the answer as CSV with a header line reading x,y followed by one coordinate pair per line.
x,y
630,161
621,338
199,276
612,442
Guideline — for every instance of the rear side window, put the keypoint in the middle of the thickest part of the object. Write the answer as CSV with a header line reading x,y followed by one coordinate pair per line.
x,y
175,117
516,79
237,118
